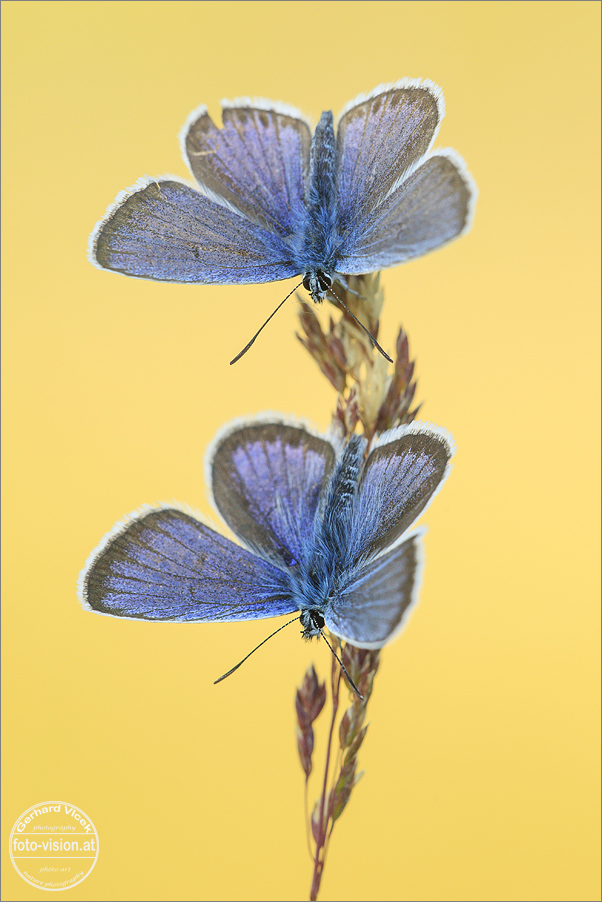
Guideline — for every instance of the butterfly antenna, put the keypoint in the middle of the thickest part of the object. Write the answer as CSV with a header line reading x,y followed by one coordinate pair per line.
x,y
223,677
343,668
246,348
361,325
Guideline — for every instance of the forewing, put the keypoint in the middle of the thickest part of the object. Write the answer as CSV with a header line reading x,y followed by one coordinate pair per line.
x,y
267,480
379,138
431,207
371,609
402,474
167,231
257,161
167,565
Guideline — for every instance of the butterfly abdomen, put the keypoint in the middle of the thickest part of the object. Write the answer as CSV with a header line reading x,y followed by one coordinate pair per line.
x,y
320,247
321,186
317,577
341,498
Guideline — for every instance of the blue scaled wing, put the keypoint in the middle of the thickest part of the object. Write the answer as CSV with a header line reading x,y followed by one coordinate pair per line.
x,y
267,479
163,229
257,162
432,206
403,472
371,606
166,565
379,139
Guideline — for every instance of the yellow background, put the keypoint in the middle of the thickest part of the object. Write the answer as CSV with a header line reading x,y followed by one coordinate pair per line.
x,y
482,755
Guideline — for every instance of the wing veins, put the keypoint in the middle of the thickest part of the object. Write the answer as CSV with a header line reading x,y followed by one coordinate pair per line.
x,y
144,544
253,166
250,170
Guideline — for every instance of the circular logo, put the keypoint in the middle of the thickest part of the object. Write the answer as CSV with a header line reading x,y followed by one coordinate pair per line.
x,y
54,845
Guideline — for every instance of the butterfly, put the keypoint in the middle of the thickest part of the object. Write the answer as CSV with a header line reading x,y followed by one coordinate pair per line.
x,y
323,526
272,201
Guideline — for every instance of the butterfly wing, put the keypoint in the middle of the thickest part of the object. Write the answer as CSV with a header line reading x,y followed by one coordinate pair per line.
x,y
267,479
428,209
371,606
167,231
402,474
257,162
379,139
166,565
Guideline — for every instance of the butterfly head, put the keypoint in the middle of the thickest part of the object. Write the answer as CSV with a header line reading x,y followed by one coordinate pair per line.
x,y
312,622
317,283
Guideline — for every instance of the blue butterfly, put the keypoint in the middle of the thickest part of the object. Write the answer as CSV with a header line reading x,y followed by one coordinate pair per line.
x,y
323,525
273,202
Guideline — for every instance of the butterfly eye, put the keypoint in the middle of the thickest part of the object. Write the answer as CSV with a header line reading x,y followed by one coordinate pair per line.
x,y
324,280
307,282
317,620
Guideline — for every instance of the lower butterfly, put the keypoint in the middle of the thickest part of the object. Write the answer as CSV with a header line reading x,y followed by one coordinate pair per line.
x,y
324,526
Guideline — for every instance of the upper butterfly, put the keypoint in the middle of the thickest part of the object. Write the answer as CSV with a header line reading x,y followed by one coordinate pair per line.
x,y
272,202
